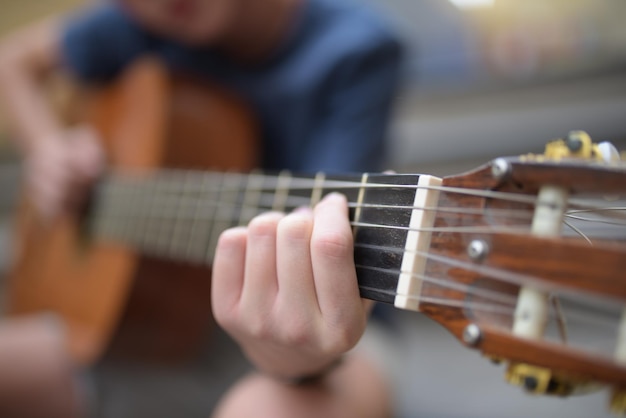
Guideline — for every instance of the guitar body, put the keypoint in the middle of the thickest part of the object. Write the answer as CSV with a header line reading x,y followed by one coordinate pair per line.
x,y
112,298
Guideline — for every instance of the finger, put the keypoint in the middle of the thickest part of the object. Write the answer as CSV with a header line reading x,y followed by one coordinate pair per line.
x,y
296,287
332,255
86,156
260,282
228,273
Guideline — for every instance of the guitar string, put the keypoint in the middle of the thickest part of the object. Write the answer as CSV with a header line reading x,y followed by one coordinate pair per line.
x,y
298,183
295,201
495,273
609,209
469,229
503,307
177,189
578,231
307,185
304,200
494,296
602,221
174,205
500,195
498,274
578,316
574,316
582,205
171,219
298,201
165,231
505,302
471,305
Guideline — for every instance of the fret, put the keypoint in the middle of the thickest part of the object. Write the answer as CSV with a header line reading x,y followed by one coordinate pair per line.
x,y
109,227
300,192
252,198
158,205
281,194
351,193
144,223
141,213
227,213
202,222
183,218
125,197
130,210
101,211
170,203
111,207
376,249
318,188
359,202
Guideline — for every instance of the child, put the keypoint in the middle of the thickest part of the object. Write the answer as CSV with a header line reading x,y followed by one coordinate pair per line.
x,y
320,75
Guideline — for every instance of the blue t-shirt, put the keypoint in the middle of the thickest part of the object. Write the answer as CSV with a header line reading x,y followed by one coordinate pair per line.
x,y
323,97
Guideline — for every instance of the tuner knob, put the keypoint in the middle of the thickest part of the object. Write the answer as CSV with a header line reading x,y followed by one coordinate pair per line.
x,y
537,380
542,381
608,152
578,144
618,401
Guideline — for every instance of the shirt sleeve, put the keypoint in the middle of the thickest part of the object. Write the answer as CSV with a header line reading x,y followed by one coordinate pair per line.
x,y
97,46
351,134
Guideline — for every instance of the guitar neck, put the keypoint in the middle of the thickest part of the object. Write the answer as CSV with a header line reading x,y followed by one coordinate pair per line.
x,y
180,214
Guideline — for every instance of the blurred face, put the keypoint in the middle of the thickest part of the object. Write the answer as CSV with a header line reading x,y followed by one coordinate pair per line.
x,y
195,22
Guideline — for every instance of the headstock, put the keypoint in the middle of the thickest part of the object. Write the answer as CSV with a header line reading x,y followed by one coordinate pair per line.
x,y
527,264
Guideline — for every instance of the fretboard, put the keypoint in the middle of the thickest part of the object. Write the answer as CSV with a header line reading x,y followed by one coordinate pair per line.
x,y
180,214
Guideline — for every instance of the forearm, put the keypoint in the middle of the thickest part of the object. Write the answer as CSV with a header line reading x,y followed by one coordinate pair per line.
x,y
25,59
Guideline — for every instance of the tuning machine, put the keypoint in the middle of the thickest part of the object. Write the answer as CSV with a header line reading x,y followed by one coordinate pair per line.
x,y
543,381
618,401
532,304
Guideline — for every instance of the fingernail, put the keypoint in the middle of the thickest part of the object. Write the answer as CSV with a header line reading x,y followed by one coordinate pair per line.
x,y
334,197
302,209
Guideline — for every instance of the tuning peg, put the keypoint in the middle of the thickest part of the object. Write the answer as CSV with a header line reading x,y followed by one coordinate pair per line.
x,y
608,152
537,380
618,401
543,381
577,144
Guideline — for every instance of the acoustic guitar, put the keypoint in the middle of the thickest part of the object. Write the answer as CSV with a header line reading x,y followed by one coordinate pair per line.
x,y
522,259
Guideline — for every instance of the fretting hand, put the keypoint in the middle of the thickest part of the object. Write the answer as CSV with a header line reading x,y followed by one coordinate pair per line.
x,y
285,289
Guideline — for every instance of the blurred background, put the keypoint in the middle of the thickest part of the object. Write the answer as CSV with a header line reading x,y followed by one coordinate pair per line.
x,y
483,78
498,77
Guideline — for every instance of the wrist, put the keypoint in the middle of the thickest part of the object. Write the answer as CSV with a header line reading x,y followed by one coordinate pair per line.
x,y
314,377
